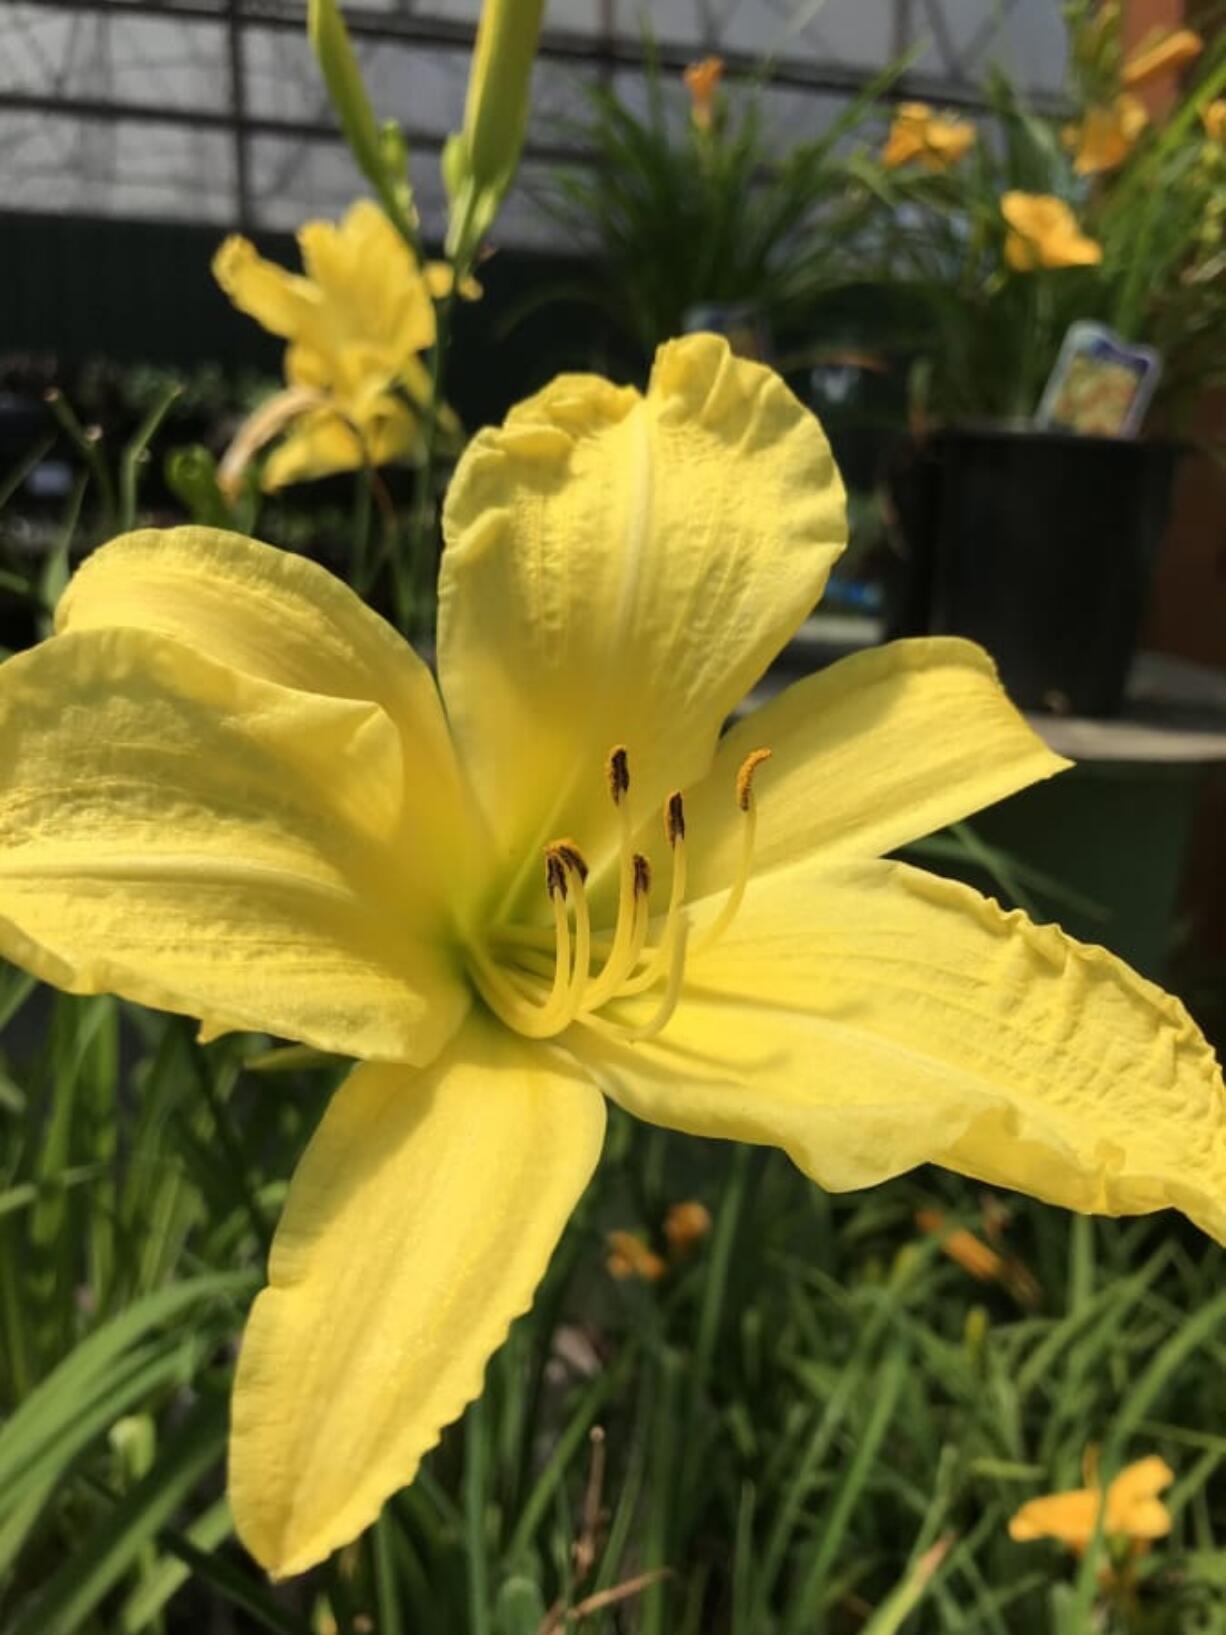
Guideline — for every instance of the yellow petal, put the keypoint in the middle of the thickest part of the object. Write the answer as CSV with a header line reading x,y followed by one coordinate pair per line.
x,y
1133,1505
372,288
619,570
319,445
204,842
871,1017
1069,1517
279,300
1161,53
867,755
275,615
418,1226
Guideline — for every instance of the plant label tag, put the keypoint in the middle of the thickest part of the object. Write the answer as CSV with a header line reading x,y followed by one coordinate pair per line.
x,y
1101,385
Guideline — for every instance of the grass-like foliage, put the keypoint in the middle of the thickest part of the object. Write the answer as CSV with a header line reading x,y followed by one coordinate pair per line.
x,y
818,1421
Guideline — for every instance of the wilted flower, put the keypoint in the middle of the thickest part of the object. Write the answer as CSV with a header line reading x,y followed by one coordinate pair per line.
x,y
1043,232
920,137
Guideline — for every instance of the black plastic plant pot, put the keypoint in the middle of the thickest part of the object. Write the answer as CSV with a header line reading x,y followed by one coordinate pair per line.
x,y
1038,545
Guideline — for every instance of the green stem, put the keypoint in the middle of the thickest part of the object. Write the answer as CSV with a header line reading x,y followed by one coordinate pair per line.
x,y
474,1520
412,575
88,445
363,501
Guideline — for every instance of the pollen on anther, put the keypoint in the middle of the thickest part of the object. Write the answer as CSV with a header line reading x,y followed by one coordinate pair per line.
x,y
744,777
618,771
642,875
555,874
674,818
569,856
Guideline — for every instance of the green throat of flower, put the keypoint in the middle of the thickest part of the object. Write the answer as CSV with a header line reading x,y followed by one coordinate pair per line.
x,y
539,984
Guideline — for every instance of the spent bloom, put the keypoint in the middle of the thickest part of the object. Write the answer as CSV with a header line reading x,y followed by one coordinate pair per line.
x,y
702,82
1134,1512
1043,232
920,137
357,321
230,790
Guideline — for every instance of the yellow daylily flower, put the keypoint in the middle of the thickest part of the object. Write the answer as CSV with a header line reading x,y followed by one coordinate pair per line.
x,y
685,1226
920,137
1134,1513
1043,232
1214,119
702,82
228,789
631,1256
1107,135
357,324
1163,53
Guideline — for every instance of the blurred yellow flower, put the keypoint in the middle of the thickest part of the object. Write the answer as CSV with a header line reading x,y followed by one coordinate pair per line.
x,y
1214,117
1043,232
356,324
702,81
1134,1511
971,1253
932,141
230,790
1107,135
1163,53
685,1226
630,1256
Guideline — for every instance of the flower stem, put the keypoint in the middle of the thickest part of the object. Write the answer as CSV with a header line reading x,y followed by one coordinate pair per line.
x,y
415,570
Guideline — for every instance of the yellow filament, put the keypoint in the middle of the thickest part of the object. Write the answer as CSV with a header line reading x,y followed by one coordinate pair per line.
x,y
629,967
578,984
658,959
672,993
749,828
499,992
620,960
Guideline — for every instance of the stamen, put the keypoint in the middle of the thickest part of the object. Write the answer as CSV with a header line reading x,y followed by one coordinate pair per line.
x,y
674,818
672,993
621,958
570,860
617,770
535,1021
749,828
744,777
674,829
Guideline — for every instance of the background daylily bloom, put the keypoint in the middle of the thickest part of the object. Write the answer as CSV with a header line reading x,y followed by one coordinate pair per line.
x,y
1043,232
933,141
1214,117
1164,53
1107,135
1134,1510
229,789
356,324
702,82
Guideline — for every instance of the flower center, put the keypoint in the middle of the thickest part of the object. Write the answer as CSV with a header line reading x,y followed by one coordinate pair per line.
x,y
539,983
